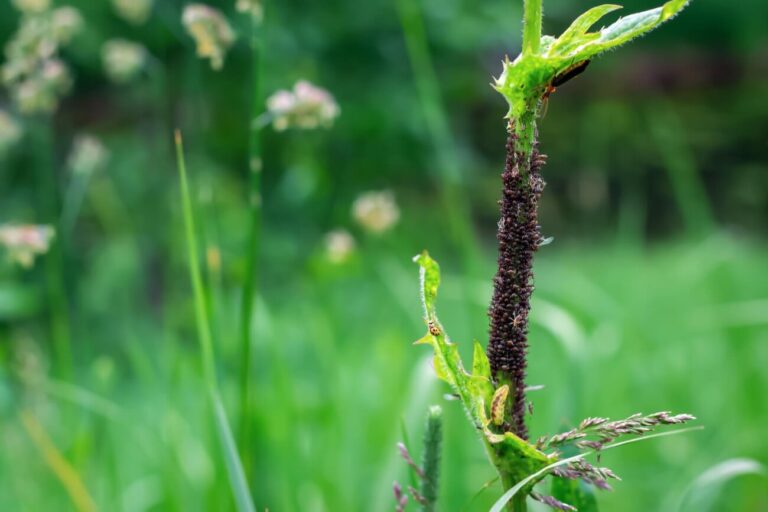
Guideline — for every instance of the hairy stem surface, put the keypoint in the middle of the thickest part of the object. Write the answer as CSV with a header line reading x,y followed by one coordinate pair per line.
x,y
532,26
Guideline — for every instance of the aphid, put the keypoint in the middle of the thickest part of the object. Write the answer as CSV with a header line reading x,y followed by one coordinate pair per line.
x,y
572,72
498,403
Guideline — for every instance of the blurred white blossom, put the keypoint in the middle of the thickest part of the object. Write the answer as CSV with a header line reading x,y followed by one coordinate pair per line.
x,y
88,155
306,107
31,6
10,132
35,76
133,11
25,242
65,23
252,7
123,60
211,31
339,245
376,211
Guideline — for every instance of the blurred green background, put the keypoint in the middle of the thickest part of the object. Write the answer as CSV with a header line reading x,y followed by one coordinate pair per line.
x,y
653,296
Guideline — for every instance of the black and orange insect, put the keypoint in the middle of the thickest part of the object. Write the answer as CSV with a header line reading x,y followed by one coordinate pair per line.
x,y
559,79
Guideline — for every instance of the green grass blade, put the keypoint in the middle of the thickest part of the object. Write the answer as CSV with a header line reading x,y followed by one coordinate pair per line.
x,y
235,471
201,310
702,493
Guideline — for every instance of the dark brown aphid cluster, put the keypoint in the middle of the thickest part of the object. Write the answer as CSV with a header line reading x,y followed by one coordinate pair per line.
x,y
519,237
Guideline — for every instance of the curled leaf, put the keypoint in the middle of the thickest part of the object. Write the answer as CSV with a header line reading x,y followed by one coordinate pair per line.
x,y
524,81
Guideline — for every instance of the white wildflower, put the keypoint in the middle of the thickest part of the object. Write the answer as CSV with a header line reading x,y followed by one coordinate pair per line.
x,y
123,60
339,245
65,23
10,132
376,211
252,7
35,76
25,242
211,31
306,107
88,155
31,6
133,11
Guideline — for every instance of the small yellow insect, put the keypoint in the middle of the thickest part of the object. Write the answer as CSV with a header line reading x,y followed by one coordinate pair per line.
x,y
498,404
434,330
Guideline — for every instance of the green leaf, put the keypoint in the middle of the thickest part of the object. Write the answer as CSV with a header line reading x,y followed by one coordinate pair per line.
x,y
480,365
448,365
237,479
430,282
703,492
579,27
575,493
575,46
443,371
524,81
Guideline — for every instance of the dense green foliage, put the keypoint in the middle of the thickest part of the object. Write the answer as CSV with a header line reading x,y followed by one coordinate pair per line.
x,y
652,296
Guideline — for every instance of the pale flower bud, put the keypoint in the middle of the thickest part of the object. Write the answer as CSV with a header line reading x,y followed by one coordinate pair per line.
x,y
31,6
339,245
376,211
25,242
55,75
252,7
133,11
88,155
122,60
306,107
65,23
211,31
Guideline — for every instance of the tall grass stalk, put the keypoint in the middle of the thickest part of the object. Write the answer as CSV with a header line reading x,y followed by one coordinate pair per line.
x,y
234,465
448,170
48,198
255,163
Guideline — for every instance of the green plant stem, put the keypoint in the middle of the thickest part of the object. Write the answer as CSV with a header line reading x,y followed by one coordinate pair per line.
x,y
532,17
54,260
254,236
430,98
